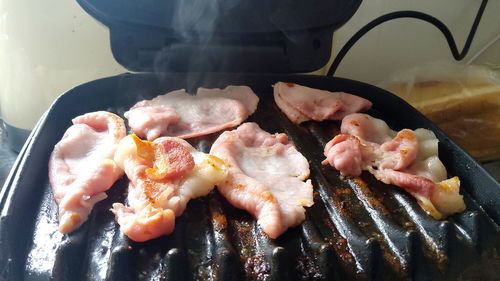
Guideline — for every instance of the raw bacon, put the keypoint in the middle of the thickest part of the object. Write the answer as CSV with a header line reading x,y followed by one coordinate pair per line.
x,y
81,166
300,103
408,159
266,177
164,175
179,114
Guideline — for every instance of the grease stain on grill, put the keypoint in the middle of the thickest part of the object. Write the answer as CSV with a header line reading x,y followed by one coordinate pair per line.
x,y
257,267
219,222
308,268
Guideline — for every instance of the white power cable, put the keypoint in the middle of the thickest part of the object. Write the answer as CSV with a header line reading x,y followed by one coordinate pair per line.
x,y
474,57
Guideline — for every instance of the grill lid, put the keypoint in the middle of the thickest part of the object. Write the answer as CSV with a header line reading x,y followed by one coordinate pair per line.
x,y
282,36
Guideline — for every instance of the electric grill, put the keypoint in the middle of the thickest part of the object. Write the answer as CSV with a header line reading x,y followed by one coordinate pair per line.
x,y
358,228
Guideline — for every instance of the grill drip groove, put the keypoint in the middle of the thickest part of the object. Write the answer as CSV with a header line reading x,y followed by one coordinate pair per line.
x,y
358,229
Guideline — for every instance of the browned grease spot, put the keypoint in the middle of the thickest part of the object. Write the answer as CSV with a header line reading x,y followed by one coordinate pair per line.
x,y
268,196
343,199
257,268
239,186
338,242
150,188
308,268
372,200
343,191
220,221
290,85
342,249
405,134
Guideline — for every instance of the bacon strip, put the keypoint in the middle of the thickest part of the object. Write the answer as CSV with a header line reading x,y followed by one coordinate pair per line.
x,y
300,103
164,175
179,114
81,166
266,177
407,159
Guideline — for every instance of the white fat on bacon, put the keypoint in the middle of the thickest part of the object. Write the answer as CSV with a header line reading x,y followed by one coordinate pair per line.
x,y
164,175
408,159
266,177
179,114
300,103
81,166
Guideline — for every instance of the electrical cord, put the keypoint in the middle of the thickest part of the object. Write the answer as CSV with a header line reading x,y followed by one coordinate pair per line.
x,y
458,55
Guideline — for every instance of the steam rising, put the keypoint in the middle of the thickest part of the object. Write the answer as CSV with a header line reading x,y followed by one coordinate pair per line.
x,y
195,24
195,20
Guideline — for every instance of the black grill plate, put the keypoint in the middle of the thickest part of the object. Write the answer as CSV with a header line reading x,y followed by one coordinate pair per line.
x,y
357,229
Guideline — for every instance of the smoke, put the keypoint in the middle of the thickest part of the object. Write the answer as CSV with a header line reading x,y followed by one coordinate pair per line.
x,y
195,21
197,45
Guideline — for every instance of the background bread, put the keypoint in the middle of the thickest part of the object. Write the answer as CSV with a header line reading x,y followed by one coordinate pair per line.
x,y
467,109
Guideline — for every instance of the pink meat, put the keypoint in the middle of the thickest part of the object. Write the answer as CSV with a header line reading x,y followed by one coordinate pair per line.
x,y
243,94
153,202
300,103
367,128
181,115
412,183
266,177
150,120
400,152
287,108
407,159
344,153
81,166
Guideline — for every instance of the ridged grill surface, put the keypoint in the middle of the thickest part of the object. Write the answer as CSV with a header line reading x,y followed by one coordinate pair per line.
x,y
358,228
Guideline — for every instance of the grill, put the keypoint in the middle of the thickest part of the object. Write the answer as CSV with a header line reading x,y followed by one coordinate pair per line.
x,y
358,228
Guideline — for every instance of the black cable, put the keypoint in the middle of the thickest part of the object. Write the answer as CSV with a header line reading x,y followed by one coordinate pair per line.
x,y
416,15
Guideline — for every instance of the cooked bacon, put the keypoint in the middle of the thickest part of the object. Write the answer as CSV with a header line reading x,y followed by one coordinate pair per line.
x,y
81,166
151,120
179,114
243,94
164,175
407,159
300,103
266,177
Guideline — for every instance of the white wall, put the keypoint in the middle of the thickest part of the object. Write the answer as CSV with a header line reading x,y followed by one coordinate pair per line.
x,y
404,43
46,48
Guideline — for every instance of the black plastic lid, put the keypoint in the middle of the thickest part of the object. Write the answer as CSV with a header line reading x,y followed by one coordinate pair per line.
x,y
222,35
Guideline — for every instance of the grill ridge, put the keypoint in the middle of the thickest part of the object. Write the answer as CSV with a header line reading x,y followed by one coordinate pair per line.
x,y
172,265
320,249
396,240
428,228
349,231
226,261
